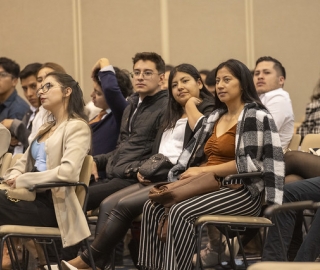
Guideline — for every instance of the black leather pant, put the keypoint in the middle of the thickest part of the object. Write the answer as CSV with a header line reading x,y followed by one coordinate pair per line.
x,y
116,214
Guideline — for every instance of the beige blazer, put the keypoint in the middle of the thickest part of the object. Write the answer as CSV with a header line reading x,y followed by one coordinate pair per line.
x,y
66,149
4,141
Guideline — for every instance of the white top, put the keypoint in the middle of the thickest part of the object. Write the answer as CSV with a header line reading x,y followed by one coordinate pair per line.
x,y
171,144
107,68
92,110
279,104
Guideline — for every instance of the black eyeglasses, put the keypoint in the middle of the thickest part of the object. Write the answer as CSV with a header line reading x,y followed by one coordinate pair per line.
x,y
46,87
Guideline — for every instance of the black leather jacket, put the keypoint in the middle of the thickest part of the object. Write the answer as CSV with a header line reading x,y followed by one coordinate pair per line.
x,y
135,146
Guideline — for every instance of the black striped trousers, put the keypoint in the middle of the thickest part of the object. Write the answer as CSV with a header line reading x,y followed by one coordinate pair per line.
x,y
177,252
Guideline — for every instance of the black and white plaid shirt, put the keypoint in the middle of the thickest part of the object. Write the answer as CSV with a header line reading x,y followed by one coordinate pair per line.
x,y
258,148
311,124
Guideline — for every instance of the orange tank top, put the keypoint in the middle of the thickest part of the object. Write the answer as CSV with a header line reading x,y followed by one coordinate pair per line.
x,y
220,149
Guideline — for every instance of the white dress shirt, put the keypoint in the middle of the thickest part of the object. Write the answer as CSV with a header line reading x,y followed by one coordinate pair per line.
x,y
279,104
171,144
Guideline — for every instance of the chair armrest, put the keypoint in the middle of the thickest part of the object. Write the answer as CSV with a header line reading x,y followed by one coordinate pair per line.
x,y
57,184
274,209
242,175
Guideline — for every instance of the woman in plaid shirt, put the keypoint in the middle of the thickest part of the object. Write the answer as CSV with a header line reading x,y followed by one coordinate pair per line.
x,y
239,136
311,124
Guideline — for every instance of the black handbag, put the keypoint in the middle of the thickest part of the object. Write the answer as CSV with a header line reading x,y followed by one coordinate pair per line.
x,y
156,168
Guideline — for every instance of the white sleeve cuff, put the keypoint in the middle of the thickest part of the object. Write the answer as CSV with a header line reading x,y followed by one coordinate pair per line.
x,y
198,121
108,68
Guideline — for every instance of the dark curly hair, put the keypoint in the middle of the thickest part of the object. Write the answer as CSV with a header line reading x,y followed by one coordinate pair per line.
x,y
151,56
10,66
123,79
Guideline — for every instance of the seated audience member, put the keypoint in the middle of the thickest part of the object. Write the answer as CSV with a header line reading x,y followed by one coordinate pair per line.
x,y
56,154
299,165
21,129
12,106
204,73
269,76
111,86
188,100
239,113
311,124
5,142
43,116
167,69
210,81
140,122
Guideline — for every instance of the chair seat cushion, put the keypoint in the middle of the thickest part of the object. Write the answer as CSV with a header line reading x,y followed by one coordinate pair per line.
x,y
7,229
285,266
239,220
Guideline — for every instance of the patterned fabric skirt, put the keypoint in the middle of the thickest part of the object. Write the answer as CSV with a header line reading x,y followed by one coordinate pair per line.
x,y
177,252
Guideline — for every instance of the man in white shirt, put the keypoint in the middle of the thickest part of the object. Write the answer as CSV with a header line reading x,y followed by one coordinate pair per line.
x,y
269,76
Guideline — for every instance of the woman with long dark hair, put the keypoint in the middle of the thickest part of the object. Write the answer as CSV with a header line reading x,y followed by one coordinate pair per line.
x,y
239,136
55,155
189,100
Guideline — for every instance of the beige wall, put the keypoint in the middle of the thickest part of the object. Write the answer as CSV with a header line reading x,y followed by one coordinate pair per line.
x,y
75,33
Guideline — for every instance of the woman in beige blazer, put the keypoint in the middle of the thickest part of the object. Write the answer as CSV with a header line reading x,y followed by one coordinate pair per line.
x,y
56,154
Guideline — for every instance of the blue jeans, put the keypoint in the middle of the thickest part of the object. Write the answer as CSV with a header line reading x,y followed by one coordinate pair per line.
x,y
308,189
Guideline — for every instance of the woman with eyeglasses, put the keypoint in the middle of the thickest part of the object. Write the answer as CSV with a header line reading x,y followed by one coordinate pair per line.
x,y
55,155
42,116
189,100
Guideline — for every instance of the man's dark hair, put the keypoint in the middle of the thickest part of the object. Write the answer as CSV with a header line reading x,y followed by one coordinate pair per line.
x,y
30,70
204,71
168,68
96,76
150,56
10,66
277,65
123,79
211,78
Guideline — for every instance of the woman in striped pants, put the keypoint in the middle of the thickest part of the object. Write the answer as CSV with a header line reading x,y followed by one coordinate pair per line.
x,y
239,136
